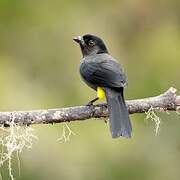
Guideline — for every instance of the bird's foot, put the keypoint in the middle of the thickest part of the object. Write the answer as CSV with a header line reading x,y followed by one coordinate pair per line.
x,y
89,104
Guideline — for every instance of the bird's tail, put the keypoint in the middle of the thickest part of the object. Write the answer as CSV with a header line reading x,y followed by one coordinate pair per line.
x,y
119,121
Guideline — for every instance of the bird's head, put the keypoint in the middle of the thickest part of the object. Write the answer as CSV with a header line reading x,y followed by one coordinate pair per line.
x,y
91,45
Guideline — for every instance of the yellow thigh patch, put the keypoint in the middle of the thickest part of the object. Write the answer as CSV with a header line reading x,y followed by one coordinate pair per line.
x,y
100,93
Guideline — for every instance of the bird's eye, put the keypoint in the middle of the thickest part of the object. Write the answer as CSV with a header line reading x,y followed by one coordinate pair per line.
x,y
91,43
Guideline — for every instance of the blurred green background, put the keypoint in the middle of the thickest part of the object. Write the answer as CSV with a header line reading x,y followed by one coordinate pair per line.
x,y
39,69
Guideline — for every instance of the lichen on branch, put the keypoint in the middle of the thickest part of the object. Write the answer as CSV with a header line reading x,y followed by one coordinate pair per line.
x,y
12,141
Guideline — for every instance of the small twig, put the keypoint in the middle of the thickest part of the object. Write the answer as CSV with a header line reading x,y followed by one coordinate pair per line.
x,y
166,101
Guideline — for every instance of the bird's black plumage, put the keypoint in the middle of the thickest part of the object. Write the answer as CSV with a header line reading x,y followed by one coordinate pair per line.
x,y
102,70
99,69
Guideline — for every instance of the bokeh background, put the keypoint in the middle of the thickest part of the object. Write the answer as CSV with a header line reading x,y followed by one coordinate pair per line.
x,y
39,69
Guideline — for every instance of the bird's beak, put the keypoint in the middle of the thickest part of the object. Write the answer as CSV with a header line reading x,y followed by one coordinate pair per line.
x,y
79,39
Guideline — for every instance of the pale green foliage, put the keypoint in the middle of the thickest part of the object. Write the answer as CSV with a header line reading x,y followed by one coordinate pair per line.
x,y
66,133
12,141
150,114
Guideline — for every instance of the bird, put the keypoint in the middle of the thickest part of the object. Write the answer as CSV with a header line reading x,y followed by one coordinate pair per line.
x,y
100,71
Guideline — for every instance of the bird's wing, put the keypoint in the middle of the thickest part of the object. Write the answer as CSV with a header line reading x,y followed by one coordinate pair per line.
x,y
104,73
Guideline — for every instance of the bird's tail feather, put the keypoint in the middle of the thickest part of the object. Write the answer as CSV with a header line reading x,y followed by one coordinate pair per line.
x,y
119,121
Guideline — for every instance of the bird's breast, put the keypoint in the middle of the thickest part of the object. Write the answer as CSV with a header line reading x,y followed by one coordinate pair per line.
x,y
86,74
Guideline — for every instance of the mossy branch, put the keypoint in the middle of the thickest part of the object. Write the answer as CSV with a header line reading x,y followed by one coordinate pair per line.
x,y
166,101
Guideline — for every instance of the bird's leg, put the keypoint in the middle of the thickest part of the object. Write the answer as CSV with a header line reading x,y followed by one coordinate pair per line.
x,y
90,103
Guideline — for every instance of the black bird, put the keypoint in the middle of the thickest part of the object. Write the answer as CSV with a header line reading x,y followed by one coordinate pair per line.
x,y
104,74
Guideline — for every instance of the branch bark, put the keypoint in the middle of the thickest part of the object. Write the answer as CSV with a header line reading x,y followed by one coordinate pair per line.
x,y
166,101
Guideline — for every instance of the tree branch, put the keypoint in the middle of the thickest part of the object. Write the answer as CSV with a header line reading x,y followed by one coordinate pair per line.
x,y
166,101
